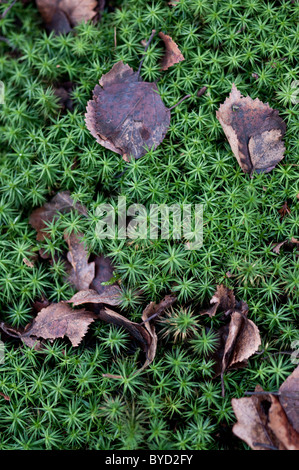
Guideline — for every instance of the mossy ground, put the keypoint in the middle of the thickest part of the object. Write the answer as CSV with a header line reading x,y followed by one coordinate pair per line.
x,y
59,400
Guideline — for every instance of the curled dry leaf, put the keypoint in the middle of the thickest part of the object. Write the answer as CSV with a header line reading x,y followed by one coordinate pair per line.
x,y
254,131
144,332
80,272
55,321
239,340
61,202
127,115
62,15
172,54
223,299
243,339
111,296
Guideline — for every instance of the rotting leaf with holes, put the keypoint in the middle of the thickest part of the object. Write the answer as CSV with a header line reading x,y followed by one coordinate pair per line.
x,y
80,272
172,53
254,131
61,202
62,15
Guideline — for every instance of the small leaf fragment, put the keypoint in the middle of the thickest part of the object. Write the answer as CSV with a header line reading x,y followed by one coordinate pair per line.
x,y
172,54
81,272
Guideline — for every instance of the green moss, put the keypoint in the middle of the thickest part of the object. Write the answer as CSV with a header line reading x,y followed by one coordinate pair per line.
x,y
60,399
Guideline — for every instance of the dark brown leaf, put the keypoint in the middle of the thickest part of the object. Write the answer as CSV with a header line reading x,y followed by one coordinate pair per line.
x,y
127,115
254,131
172,54
103,273
62,15
57,321
111,296
81,272
61,202
223,299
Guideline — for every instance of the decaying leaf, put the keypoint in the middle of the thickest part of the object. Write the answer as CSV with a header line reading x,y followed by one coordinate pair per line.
x,y
111,296
57,321
243,339
62,15
262,422
282,428
127,115
289,398
148,338
172,54
61,202
81,272
251,424
254,131
288,243
104,272
223,299
239,340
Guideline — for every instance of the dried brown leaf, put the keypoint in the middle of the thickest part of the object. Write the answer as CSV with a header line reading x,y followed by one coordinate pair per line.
x,y
243,339
62,15
126,115
251,424
223,299
172,54
254,131
81,272
61,202
57,321
146,329
289,398
111,296
282,428
288,243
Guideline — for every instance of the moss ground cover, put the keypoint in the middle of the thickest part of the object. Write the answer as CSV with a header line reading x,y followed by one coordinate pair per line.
x,y
59,399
